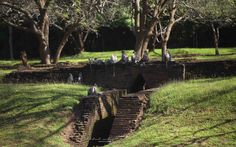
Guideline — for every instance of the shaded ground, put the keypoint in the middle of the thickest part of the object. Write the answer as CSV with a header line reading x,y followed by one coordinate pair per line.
x,y
34,115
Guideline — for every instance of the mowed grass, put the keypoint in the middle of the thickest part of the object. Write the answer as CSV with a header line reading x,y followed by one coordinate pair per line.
x,y
178,54
192,113
202,54
34,115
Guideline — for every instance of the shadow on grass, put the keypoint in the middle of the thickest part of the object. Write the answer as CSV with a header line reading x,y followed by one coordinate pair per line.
x,y
215,126
199,140
217,94
24,113
42,140
193,101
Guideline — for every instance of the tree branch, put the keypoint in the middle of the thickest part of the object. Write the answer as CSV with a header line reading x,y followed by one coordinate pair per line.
x,y
26,13
18,26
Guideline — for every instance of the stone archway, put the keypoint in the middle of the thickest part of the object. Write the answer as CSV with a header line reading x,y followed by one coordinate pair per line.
x,y
139,84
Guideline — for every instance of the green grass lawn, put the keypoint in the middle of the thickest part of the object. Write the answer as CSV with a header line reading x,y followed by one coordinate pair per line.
x,y
35,114
195,113
199,54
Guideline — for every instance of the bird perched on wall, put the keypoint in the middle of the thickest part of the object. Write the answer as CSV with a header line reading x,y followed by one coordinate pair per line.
x,y
92,90
80,77
70,79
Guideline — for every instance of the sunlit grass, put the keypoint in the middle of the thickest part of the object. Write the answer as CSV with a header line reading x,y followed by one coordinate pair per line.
x,y
195,113
198,53
204,54
34,115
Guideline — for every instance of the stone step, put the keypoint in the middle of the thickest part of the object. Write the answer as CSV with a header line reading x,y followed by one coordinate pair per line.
x,y
130,100
129,104
128,108
122,127
121,131
132,111
135,113
125,115
124,121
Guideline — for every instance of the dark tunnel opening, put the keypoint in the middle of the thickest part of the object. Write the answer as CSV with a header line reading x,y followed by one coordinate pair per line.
x,y
101,131
139,84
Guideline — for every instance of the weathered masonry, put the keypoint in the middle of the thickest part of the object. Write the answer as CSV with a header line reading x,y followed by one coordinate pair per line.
x,y
105,117
121,76
111,115
127,76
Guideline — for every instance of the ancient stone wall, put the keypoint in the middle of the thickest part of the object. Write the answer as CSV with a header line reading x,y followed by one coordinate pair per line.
x,y
88,112
121,76
127,76
210,69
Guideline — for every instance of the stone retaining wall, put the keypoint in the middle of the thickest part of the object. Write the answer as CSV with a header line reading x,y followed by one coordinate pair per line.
x,y
121,76
127,76
88,112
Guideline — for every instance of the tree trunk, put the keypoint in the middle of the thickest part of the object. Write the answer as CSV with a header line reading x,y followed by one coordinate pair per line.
x,y
154,40
44,51
139,43
81,42
216,35
164,50
166,38
43,38
61,45
10,43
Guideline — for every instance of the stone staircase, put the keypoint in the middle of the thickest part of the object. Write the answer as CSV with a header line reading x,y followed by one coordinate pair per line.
x,y
90,110
129,115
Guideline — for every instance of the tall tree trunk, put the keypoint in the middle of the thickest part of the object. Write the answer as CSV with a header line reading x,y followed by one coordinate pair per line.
x,y
81,44
43,38
10,43
154,39
140,37
61,45
166,36
137,10
143,27
164,50
216,35
44,51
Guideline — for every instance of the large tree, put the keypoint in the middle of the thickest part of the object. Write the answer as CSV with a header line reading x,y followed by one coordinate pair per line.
x,y
215,14
31,16
36,16
174,12
156,18
146,14
80,17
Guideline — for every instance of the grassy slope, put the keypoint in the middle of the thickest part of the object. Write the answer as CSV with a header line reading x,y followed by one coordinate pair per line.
x,y
198,112
34,115
227,53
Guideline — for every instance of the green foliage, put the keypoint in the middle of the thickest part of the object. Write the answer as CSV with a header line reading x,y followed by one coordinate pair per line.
x,y
196,113
215,11
34,115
